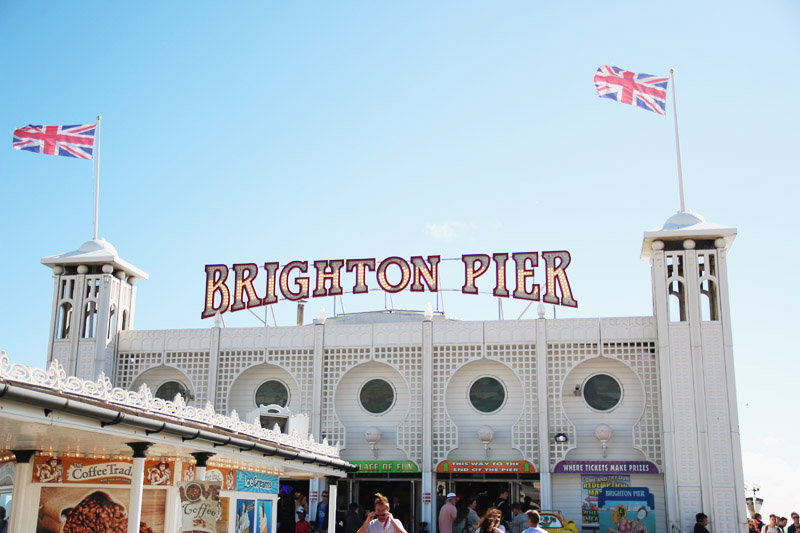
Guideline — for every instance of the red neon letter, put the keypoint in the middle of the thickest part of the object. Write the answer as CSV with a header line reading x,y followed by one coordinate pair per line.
x,y
324,275
361,266
471,273
557,274
405,274
216,275
245,275
302,294
500,289
523,274
430,274
270,298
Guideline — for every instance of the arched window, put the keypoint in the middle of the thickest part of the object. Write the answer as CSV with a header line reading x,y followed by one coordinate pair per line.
x,y
676,288
89,320
124,320
168,390
677,302
707,271
64,320
112,321
708,300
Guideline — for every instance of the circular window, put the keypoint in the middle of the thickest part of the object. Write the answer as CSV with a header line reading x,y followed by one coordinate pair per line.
x,y
272,392
376,396
168,390
487,395
602,392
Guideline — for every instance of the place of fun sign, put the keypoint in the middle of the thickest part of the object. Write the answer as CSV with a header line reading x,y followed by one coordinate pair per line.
x,y
514,276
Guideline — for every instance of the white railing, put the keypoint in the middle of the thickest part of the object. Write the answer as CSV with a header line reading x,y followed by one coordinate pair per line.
x,y
55,378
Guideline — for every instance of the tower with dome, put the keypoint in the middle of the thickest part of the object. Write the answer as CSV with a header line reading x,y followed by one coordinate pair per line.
x,y
94,298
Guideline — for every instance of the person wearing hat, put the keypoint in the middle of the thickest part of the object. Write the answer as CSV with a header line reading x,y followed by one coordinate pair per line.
x,y
448,512
302,525
381,520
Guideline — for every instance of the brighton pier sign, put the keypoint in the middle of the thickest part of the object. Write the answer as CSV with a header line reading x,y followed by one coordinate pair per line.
x,y
417,274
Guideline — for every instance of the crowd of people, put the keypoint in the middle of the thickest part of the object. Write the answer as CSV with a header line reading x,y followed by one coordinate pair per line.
x,y
454,517
293,510
464,515
457,515
775,524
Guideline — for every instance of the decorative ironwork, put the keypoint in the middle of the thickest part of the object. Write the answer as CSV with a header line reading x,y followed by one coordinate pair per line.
x,y
55,378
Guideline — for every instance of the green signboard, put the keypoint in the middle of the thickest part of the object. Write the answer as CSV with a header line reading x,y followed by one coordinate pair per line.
x,y
385,467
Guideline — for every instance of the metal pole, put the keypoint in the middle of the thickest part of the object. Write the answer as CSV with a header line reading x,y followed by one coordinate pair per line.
x,y
677,138
97,177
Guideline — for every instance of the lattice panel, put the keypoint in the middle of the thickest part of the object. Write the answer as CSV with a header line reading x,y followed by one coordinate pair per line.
x,y
300,364
683,405
231,364
131,365
195,365
408,359
725,505
86,356
446,359
641,356
690,502
336,362
522,358
718,418
561,358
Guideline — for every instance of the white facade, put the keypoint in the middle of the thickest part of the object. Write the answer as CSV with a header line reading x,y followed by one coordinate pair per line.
x,y
675,370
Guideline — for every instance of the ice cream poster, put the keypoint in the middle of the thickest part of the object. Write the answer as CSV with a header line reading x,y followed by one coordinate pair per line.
x,y
591,485
626,510
245,516
263,517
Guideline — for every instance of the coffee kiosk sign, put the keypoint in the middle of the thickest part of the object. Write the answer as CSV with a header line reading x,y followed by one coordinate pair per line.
x,y
55,469
514,276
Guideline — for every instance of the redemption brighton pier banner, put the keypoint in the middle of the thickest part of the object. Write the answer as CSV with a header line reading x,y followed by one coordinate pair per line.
x,y
419,273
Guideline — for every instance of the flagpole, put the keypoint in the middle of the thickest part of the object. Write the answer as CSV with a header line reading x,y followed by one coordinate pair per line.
x,y
677,138
97,178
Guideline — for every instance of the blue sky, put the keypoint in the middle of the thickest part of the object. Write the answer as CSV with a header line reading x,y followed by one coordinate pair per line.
x,y
266,131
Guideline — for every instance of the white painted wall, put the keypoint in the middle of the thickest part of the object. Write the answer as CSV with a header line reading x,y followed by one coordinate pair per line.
x,y
468,419
242,393
159,375
621,418
357,419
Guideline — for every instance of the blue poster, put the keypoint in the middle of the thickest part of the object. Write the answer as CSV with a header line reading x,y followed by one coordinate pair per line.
x,y
263,516
245,516
626,510
256,482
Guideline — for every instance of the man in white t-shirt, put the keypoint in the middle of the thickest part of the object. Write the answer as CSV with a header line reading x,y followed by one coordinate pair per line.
x,y
533,521
381,520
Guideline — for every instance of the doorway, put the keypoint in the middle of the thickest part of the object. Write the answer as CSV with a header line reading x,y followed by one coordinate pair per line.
x,y
402,496
486,493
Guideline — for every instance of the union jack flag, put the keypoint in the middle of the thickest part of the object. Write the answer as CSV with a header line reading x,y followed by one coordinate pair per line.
x,y
643,90
71,141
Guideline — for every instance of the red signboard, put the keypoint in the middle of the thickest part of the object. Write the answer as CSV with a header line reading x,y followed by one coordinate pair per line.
x,y
485,467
